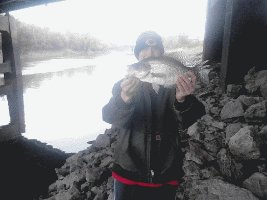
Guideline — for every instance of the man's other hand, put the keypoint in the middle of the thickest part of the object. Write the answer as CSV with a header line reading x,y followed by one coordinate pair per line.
x,y
185,85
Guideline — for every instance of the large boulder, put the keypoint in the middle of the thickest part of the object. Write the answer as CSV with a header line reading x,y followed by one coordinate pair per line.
x,y
216,189
257,184
243,146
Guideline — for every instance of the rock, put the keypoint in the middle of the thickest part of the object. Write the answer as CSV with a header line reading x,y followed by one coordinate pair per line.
x,y
191,156
229,168
93,175
233,90
110,183
106,162
219,125
100,196
215,110
209,172
206,120
255,80
216,189
232,109
96,190
110,197
89,194
52,187
72,194
256,112
262,141
63,171
263,135
85,187
193,131
248,101
88,158
102,141
212,146
261,78
232,129
210,121
263,90
70,180
250,84
257,184
191,169
199,151
243,146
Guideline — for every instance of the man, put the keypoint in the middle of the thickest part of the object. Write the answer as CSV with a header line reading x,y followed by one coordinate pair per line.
x,y
148,157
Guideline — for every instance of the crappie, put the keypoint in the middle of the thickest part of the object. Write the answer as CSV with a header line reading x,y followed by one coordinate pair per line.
x,y
160,70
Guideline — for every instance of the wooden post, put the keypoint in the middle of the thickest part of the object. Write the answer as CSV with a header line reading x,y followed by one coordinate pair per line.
x,y
13,81
213,39
226,42
244,41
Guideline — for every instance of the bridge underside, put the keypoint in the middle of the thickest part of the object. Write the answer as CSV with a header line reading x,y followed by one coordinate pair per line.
x,y
10,5
236,36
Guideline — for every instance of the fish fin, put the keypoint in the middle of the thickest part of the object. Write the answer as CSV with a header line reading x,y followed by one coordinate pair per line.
x,y
155,87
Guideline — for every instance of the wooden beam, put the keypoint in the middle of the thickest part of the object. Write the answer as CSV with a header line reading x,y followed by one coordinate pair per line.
x,y
5,90
214,28
10,5
5,67
226,42
4,25
17,100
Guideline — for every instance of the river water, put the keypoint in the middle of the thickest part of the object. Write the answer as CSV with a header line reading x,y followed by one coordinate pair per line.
x,y
63,98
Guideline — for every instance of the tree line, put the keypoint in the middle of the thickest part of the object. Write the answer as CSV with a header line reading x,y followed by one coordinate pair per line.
x,y
181,41
32,38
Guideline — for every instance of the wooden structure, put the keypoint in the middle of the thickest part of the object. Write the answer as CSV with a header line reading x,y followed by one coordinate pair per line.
x,y
10,5
12,87
236,36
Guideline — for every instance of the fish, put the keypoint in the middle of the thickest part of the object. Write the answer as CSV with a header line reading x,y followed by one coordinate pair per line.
x,y
163,70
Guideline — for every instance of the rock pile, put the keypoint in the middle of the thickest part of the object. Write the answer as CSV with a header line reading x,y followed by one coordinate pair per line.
x,y
225,151
87,174
225,156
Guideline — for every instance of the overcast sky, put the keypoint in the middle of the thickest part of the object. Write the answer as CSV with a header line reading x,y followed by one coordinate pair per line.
x,y
120,21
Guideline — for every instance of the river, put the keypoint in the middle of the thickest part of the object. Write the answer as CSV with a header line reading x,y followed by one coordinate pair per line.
x,y
63,98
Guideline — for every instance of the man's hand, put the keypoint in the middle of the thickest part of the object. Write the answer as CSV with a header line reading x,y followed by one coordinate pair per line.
x,y
185,85
129,87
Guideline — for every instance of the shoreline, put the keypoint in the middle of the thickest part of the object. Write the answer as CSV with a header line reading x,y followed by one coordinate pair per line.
x,y
46,55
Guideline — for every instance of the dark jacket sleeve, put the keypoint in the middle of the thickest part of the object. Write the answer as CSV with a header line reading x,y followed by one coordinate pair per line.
x,y
117,112
189,111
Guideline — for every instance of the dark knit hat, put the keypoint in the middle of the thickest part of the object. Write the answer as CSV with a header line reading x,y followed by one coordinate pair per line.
x,y
146,39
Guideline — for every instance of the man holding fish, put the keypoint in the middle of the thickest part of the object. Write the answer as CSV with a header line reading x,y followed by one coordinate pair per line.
x,y
147,114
